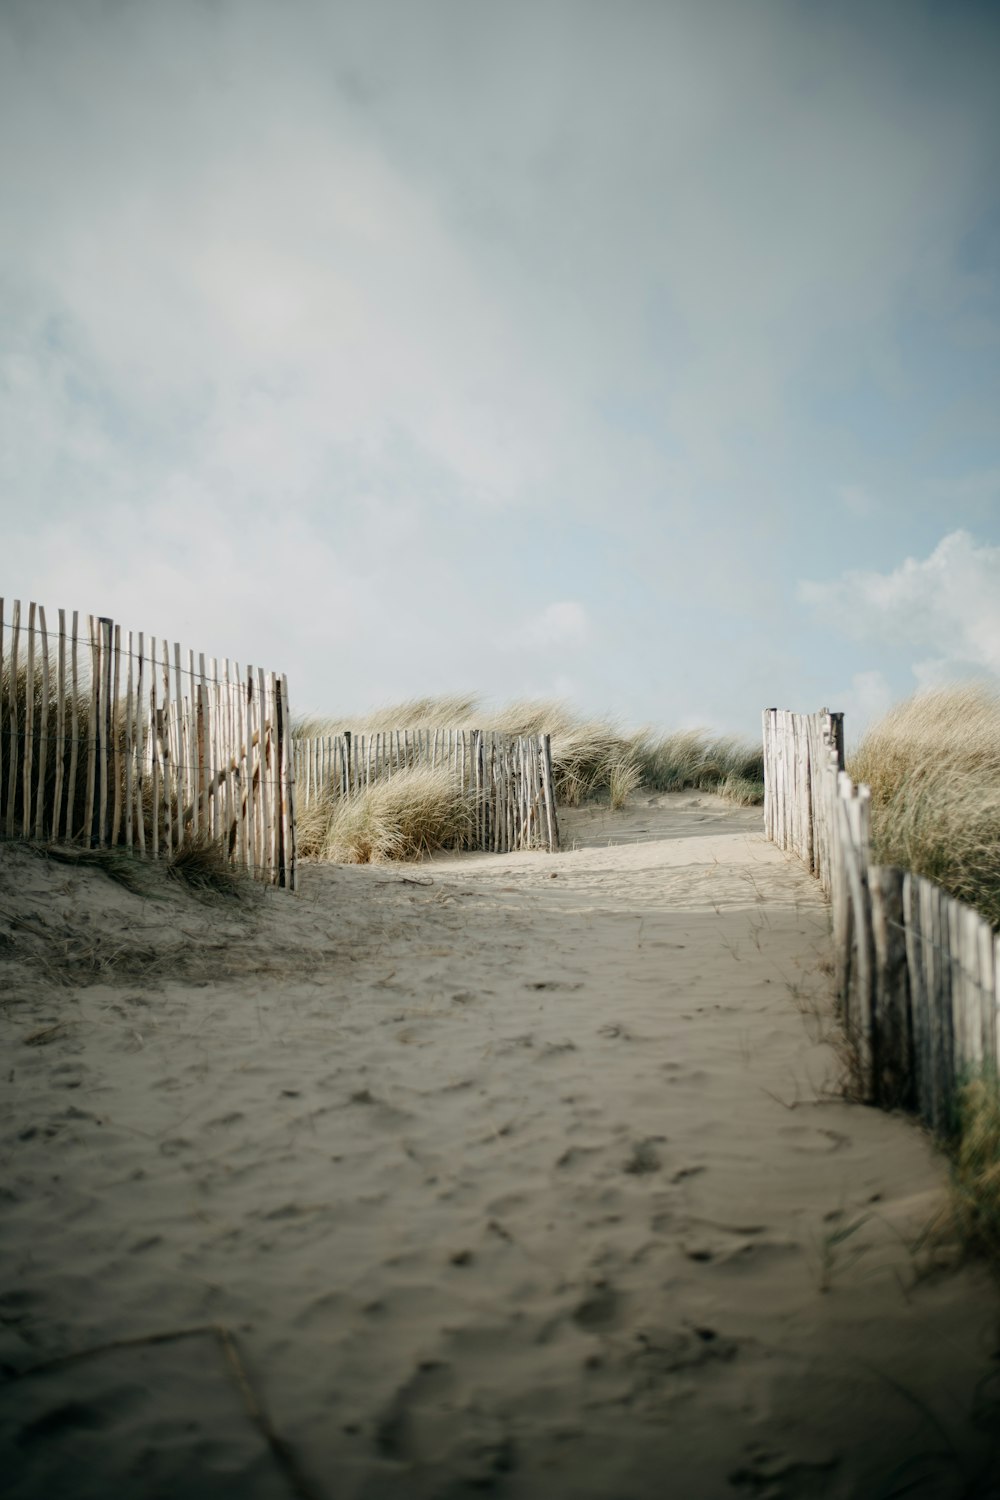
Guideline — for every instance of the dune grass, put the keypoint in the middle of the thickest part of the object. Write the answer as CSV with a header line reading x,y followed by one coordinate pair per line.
x,y
696,759
416,812
201,864
17,693
933,765
590,757
204,866
976,1167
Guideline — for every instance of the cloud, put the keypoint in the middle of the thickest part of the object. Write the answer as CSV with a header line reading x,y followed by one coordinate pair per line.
x,y
476,308
948,602
558,626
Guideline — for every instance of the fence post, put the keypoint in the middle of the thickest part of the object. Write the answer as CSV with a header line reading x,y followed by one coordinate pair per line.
x,y
346,742
551,819
893,1022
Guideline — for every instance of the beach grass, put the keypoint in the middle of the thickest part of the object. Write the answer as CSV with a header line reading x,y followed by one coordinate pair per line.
x,y
591,757
933,765
976,1167
18,692
417,811
204,866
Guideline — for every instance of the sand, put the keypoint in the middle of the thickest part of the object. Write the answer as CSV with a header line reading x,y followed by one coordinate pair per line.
x,y
518,1175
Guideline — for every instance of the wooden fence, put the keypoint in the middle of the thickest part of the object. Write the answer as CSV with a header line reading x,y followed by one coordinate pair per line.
x,y
507,777
119,739
917,972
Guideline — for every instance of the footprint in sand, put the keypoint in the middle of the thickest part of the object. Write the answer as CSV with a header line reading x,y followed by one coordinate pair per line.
x,y
425,1422
601,1308
644,1157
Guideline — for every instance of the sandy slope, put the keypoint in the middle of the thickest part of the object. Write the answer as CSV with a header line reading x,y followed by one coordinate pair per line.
x,y
519,1175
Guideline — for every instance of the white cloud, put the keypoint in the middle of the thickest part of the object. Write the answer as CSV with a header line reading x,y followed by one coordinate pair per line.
x,y
563,626
299,318
948,602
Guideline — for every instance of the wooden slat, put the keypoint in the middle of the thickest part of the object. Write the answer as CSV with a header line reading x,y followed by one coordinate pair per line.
x,y
987,994
5,748
142,729
938,998
551,817
229,753
169,782
28,748
892,1031
13,717
115,732
74,711
252,776
923,1041
89,813
203,740
155,750
266,759
104,714
59,766
240,752
289,860
43,729
128,735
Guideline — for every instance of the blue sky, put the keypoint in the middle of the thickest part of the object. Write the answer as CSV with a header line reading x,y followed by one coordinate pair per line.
x,y
645,354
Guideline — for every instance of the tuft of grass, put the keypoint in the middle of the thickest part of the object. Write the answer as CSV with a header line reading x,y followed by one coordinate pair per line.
x,y
694,759
416,812
624,777
933,764
121,865
976,1167
203,866
742,790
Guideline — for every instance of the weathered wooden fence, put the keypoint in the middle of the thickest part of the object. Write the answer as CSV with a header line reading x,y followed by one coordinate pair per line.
x,y
119,739
917,972
507,777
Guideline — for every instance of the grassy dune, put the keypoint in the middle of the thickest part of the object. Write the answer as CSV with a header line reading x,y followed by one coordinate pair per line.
x,y
590,756
417,812
933,764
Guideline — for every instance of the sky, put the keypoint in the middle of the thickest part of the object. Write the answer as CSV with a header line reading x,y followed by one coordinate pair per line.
x,y
641,354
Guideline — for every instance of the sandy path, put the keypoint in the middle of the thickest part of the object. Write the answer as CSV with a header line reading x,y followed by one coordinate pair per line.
x,y
515,1175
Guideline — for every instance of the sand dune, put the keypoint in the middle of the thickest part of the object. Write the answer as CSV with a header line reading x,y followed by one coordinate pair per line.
x,y
521,1175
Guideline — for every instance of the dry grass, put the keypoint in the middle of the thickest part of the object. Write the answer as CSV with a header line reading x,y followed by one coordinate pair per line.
x,y
695,759
590,757
624,777
16,694
976,1169
120,865
202,864
933,764
413,814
